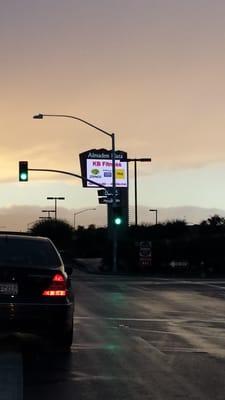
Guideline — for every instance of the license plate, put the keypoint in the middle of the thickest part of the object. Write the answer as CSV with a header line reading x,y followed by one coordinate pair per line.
x,y
8,288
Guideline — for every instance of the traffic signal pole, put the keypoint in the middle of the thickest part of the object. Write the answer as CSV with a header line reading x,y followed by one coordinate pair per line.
x,y
114,202
135,191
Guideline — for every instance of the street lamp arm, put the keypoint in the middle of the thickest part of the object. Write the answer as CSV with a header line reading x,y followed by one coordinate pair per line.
x,y
82,211
40,116
145,159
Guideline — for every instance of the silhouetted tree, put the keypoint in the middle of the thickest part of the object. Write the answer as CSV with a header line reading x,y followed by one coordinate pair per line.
x,y
173,229
214,221
59,231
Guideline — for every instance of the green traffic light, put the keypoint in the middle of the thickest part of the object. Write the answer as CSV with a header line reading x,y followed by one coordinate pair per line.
x,y
23,171
23,176
118,221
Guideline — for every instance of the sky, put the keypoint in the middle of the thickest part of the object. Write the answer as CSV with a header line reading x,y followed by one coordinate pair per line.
x,y
151,71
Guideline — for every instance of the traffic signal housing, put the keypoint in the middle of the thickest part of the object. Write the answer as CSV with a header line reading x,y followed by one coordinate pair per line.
x,y
118,217
23,171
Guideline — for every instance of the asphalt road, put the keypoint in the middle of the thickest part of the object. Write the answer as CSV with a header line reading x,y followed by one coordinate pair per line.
x,y
135,338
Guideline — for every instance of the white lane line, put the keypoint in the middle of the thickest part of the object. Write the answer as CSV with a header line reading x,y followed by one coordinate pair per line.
x,y
147,283
163,282
218,320
180,282
182,350
11,376
169,332
153,349
216,286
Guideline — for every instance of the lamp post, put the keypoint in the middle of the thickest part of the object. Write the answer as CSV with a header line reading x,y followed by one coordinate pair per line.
x,y
80,212
112,136
48,211
146,159
156,214
56,199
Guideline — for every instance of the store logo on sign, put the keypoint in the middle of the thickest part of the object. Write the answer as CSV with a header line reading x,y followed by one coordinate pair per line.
x,y
107,174
95,171
120,174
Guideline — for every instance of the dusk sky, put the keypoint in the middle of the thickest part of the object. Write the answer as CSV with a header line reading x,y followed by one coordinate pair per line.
x,y
151,71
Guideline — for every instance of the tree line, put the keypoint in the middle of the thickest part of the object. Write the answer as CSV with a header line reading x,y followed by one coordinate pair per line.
x,y
176,247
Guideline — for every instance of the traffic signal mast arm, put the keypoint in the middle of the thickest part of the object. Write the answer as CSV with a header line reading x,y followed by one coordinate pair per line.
x,y
65,173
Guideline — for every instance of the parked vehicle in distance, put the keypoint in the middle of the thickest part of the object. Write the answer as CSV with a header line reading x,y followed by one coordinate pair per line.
x,y
36,294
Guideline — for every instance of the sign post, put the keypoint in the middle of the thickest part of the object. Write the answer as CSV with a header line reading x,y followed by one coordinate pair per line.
x,y
145,254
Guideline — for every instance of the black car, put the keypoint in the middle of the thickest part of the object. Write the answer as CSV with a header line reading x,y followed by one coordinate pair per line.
x,y
36,295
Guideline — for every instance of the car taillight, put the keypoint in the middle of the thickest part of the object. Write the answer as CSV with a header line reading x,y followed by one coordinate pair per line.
x,y
57,286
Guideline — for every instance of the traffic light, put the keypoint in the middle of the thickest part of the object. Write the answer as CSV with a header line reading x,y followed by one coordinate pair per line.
x,y
118,218
23,171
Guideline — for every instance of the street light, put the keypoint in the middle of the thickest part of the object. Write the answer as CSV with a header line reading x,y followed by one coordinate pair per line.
x,y
48,211
56,199
146,159
112,136
80,212
156,214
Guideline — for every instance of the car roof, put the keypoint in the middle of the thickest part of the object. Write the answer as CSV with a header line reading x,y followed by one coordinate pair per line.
x,y
24,237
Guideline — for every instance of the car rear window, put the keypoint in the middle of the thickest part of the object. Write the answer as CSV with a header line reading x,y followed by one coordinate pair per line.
x,y
27,253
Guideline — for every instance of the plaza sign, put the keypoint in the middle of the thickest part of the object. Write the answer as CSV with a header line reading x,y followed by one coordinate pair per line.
x,y
96,165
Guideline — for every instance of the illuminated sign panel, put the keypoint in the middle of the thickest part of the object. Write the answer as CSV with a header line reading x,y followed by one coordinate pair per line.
x,y
100,171
96,165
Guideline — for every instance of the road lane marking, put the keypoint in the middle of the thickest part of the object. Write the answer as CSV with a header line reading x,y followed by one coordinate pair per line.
x,y
182,350
148,279
196,340
216,286
166,332
218,320
11,376
153,349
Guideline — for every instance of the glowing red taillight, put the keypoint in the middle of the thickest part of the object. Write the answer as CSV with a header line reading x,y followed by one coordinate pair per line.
x,y
58,278
57,286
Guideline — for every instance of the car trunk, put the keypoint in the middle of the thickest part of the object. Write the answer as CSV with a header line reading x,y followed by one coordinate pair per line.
x,y
24,284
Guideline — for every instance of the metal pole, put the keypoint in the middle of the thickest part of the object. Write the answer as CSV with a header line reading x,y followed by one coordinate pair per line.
x,y
49,212
74,221
114,203
55,208
53,198
146,159
155,210
135,191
